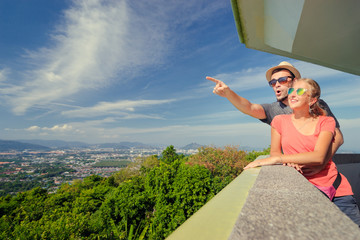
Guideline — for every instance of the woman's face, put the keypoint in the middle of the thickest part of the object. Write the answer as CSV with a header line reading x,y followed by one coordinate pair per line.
x,y
300,96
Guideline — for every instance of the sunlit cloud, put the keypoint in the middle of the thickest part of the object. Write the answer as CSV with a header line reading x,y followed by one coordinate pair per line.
x,y
115,108
55,128
309,70
94,42
3,74
33,129
350,124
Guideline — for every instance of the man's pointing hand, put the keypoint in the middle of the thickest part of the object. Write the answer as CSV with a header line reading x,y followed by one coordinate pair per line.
x,y
220,88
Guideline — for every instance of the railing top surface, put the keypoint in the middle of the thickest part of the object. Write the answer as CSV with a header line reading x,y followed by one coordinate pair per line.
x,y
282,204
272,202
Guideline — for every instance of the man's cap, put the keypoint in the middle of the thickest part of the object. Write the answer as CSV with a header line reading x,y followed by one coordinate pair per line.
x,y
284,65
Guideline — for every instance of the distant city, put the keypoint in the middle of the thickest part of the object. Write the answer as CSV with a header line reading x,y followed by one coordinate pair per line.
x,y
25,164
48,164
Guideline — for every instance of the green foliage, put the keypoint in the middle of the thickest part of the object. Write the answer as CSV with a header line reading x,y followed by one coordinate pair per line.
x,y
126,173
221,162
169,155
23,181
251,156
149,162
148,199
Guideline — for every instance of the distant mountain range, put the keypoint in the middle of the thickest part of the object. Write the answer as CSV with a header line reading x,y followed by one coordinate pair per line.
x,y
192,146
56,143
20,146
46,145
36,144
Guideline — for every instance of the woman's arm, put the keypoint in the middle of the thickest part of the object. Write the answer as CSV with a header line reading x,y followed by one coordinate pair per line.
x,y
317,157
275,148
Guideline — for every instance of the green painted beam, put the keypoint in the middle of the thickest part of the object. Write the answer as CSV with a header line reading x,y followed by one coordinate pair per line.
x,y
236,13
216,219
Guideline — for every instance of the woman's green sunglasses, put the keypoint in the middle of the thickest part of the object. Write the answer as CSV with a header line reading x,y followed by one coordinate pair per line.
x,y
299,91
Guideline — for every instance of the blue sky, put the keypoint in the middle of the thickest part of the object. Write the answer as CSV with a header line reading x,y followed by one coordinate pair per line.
x,y
111,71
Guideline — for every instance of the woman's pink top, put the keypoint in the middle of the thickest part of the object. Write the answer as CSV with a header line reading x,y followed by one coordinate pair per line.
x,y
292,142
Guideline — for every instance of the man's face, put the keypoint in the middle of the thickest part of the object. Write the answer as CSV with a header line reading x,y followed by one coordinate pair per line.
x,y
281,89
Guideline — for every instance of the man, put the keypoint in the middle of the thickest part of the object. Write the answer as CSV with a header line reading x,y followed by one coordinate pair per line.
x,y
280,79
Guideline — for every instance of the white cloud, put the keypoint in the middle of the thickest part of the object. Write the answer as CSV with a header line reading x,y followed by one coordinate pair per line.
x,y
58,128
351,131
309,70
115,108
33,128
350,124
250,78
55,128
3,74
246,134
96,41
344,95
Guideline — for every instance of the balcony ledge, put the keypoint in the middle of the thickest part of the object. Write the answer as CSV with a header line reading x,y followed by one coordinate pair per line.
x,y
272,202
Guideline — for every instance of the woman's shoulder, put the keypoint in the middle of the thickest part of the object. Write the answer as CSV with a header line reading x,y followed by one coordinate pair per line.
x,y
326,122
326,119
280,120
282,116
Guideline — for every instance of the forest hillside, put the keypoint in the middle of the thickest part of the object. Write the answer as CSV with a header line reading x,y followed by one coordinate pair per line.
x,y
148,199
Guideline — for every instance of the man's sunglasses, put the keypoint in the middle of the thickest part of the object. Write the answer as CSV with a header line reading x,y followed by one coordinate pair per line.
x,y
281,80
299,91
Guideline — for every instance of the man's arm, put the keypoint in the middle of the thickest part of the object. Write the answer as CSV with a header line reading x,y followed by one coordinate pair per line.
x,y
338,141
242,104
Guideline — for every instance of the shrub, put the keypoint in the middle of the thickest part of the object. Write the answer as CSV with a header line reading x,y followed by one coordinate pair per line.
x,y
223,163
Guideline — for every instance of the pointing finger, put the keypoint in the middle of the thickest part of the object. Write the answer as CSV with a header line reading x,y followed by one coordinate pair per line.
x,y
213,79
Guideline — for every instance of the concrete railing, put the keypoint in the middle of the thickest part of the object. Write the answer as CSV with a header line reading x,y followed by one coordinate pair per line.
x,y
272,202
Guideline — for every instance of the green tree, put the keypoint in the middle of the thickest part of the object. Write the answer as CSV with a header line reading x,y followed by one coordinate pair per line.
x,y
149,200
169,155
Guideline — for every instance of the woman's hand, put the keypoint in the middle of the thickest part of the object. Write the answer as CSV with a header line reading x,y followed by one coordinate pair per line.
x,y
310,171
298,167
305,170
253,164
265,161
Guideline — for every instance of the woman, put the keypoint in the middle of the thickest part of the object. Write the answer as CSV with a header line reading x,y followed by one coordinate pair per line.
x,y
305,137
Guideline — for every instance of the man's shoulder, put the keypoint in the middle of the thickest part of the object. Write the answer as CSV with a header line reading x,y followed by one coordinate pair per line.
x,y
274,109
271,104
275,105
